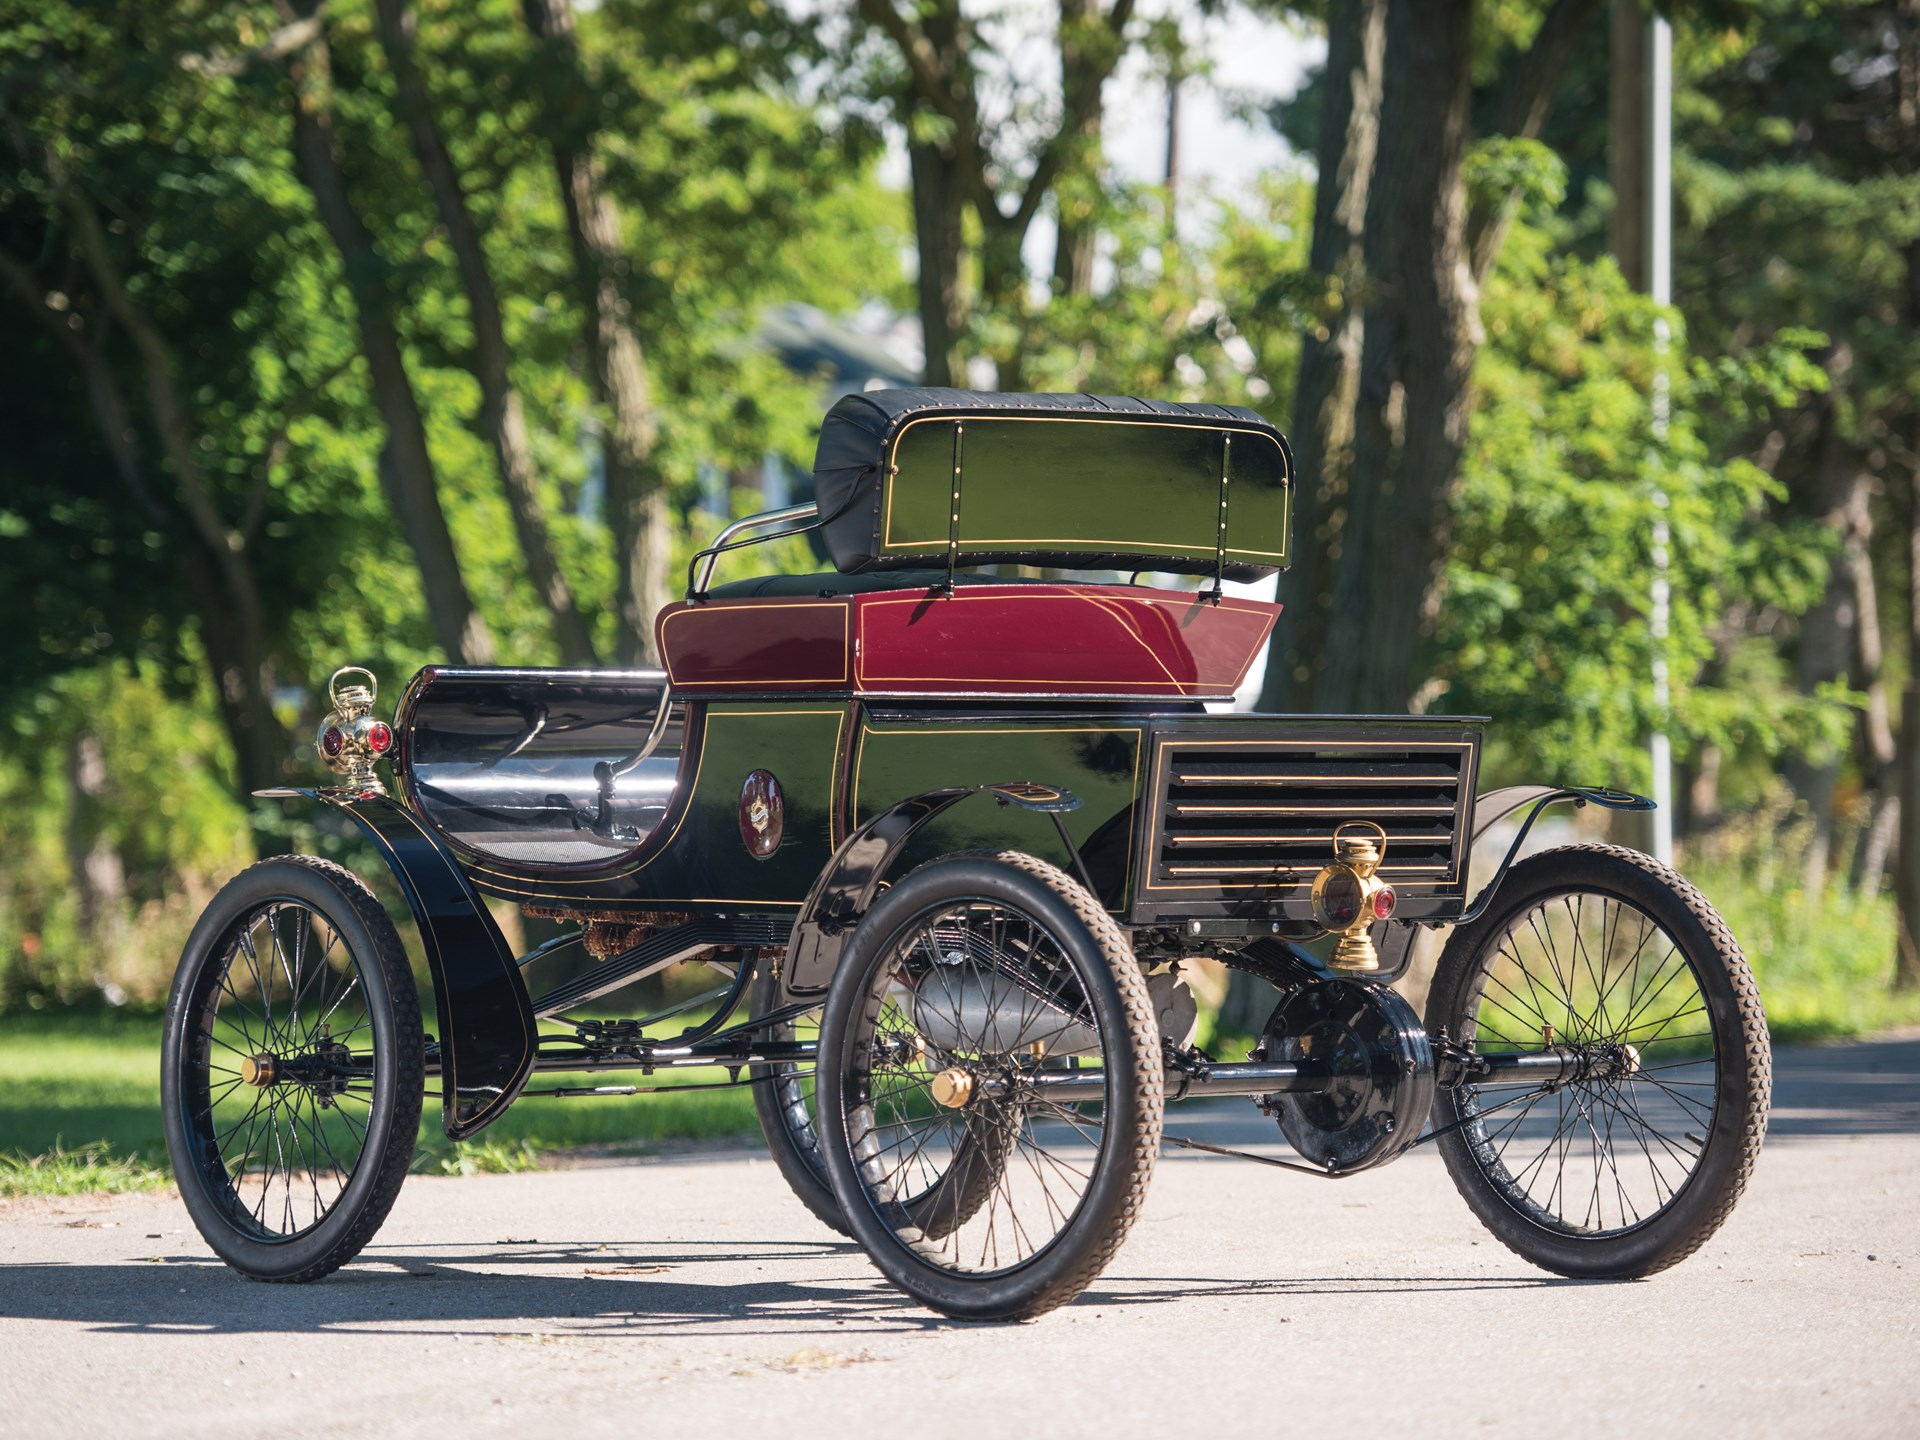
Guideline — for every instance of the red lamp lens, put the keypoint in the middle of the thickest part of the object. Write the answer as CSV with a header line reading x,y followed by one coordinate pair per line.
x,y
332,741
379,737
1383,902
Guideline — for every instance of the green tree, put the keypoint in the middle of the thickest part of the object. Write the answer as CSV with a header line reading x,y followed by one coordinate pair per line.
x,y
976,173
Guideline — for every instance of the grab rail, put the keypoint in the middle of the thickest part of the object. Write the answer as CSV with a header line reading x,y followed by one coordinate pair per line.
x,y
697,589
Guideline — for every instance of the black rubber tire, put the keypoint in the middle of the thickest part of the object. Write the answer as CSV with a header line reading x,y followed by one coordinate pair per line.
x,y
392,1006
783,1103
1740,1068
1130,1037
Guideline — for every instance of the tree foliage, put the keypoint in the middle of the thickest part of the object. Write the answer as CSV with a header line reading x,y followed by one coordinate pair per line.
x,y
204,504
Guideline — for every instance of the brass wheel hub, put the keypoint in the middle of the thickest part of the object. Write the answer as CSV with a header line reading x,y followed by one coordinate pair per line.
x,y
259,1071
952,1088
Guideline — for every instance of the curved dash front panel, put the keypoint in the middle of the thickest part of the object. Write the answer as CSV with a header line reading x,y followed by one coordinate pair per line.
x,y
1110,641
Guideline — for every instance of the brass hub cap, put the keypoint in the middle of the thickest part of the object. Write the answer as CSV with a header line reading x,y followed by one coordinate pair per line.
x,y
952,1088
257,1070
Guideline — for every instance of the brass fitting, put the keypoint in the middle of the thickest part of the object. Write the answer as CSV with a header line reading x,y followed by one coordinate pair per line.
x,y
952,1088
258,1070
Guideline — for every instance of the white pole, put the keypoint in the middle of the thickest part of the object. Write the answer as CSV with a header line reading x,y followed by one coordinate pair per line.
x,y
1660,283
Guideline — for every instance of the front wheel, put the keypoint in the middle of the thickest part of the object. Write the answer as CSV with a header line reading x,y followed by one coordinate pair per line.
x,y
291,1070
990,1086
1636,1151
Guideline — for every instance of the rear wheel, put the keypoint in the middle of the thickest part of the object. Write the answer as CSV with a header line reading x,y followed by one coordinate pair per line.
x,y
291,1069
991,1086
1629,1164
785,1103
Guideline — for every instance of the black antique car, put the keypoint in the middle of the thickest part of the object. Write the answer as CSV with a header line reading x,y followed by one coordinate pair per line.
x,y
949,841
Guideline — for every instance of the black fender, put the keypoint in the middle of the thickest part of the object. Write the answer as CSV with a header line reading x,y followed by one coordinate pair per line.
x,y
1489,809
845,888
488,1036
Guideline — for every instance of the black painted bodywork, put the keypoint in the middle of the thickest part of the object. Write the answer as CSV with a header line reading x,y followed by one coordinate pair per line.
x,y
500,770
487,1033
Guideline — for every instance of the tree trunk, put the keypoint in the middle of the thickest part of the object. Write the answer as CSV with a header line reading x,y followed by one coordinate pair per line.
x,y
1876,847
1906,964
1418,271
1327,385
502,415
1906,972
237,617
637,510
1703,794
936,109
1082,78
99,876
1875,731
1003,292
934,46
1422,332
406,465
1829,632
1629,142
939,207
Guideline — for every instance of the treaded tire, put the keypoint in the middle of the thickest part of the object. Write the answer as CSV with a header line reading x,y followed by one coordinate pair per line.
x,y
392,1007
1129,1032
1741,1070
783,1103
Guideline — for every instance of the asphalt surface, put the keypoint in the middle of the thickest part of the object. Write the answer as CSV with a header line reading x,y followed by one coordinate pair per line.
x,y
694,1296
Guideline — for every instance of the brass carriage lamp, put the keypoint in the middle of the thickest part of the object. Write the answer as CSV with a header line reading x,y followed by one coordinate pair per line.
x,y
1348,896
350,740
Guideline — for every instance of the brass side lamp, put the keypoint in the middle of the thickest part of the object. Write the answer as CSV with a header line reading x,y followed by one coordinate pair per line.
x,y
350,740
1348,897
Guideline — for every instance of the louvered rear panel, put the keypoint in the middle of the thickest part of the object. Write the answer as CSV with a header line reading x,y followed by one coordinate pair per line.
x,y
1243,812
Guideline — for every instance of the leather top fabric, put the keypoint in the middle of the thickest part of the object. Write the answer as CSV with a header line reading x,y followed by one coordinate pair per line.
x,y
858,444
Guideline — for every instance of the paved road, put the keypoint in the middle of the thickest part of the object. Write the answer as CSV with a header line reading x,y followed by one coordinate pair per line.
x,y
695,1295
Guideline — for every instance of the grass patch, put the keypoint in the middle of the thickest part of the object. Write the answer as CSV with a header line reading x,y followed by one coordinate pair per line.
x,y
1824,963
441,1156
80,1110
90,1076
60,1171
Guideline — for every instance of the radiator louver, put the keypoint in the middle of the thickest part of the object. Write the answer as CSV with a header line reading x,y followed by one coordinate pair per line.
x,y
1239,820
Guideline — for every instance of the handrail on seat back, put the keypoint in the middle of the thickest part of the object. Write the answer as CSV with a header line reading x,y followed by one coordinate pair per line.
x,y
697,589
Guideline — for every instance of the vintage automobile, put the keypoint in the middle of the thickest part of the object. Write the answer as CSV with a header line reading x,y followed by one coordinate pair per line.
x,y
950,840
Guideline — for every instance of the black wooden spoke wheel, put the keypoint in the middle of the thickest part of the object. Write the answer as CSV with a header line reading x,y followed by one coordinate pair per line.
x,y
991,1088
1635,1158
291,1071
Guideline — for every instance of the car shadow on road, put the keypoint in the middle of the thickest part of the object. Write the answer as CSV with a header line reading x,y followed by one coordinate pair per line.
x,y
584,1290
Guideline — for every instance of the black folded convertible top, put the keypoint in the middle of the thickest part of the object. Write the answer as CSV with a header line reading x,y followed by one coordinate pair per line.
x,y
908,478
